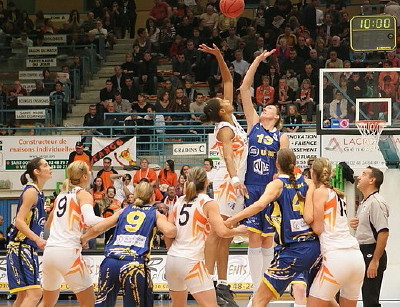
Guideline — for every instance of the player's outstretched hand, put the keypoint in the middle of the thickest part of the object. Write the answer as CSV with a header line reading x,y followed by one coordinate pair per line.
x,y
83,242
354,222
215,51
265,54
240,189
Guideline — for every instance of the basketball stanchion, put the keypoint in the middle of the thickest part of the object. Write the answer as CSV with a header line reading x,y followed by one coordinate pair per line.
x,y
371,131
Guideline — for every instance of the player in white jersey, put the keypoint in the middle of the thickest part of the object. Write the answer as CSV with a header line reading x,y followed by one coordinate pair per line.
x,y
62,259
343,264
194,214
229,189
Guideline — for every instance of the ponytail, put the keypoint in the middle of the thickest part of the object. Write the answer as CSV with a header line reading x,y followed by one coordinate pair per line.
x,y
322,169
75,171
143,194
23,178
196,183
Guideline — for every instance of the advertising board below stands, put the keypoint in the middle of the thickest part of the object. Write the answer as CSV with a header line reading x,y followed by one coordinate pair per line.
x,y
30,75
17,151
30,114
55,38
33,101
41,62
238,272
189,149
43,50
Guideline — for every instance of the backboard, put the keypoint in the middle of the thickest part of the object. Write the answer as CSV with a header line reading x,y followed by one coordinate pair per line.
x,y
348,95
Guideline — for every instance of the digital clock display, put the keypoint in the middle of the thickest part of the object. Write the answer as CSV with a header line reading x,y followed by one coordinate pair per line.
x,y
373,33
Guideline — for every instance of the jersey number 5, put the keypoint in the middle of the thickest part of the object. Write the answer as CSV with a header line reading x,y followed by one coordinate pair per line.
x,y
135,220
185,214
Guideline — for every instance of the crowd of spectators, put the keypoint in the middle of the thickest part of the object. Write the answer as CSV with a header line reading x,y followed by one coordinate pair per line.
x,y
306,37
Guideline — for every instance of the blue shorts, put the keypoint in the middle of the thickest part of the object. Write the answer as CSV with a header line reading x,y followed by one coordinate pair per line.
x,y
257,223
22,267
133,278
289,263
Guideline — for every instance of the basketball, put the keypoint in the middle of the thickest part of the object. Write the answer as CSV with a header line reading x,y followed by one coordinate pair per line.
x,y
231,8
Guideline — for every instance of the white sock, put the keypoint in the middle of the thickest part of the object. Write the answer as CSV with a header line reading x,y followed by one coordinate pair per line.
x,y
255,264
214,277
222,282
268,255
298,305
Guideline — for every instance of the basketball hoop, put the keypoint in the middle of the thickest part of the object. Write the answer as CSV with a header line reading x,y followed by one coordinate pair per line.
x,y
371,131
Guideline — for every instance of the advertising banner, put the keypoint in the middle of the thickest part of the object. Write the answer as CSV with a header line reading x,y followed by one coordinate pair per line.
x,y
41,62
43,50
33,101
30,114
304,145
17,151
189,149
122,151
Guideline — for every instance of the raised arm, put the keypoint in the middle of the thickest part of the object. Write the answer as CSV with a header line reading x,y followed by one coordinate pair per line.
x,y
101,227
272,192
249,111
309,205
227,79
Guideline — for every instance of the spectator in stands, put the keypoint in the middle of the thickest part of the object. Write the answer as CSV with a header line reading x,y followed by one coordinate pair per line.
x,y
226,51
305,99
167,87
98,30
189,90
251,42
97,9
310,18
291,80
303,51
143,41
110,119
123,186
157,119
163,104
130,69
121,105
333,59
177,46
22,42
108,92
58,96
145,172
180,104
210,17
24,23
160,11
233,39
185,28
141,105
129,91
338,106
148,74
118,79
292,119
170,197
180,188
341,49
110,205
265,93
105,173
89,23
290,38
284,95
167,176
167,36
154,34
194,57
293,62
225,23
241,66
128,10
175,17
181,70
91,119
3,94
74,21
282,50
315,61
39,89
197,106
80,155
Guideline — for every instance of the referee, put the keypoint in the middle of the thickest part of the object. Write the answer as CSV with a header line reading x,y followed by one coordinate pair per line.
x,y
372,232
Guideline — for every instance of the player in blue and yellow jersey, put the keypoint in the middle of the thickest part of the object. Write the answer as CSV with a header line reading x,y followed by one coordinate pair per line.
x,y
26,236
265,140
297,247
128,251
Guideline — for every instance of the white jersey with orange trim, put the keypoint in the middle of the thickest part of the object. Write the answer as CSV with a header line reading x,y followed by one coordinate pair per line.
x,y
67,225
192,228
240,149
336,234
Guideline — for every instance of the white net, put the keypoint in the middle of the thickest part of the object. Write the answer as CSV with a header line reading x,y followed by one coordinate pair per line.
x,y
371,131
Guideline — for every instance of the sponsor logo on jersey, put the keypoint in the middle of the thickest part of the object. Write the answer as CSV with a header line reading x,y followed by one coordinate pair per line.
x,y
298,225
129,240
253,151
260,167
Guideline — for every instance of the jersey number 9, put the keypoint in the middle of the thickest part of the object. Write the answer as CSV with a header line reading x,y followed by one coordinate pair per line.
x,y
135,220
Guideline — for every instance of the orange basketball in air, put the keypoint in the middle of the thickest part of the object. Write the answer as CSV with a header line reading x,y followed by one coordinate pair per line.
x,y
231,8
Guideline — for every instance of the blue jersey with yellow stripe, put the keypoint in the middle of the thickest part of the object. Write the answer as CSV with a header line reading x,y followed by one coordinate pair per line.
x,y
261,159
35,219
133,234
286,213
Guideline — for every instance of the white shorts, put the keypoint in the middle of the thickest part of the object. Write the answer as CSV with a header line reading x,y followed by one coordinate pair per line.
x,y
225,195
342,270
187,274
67,264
